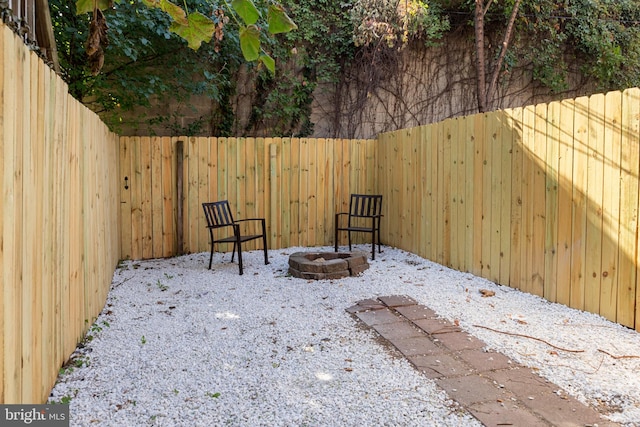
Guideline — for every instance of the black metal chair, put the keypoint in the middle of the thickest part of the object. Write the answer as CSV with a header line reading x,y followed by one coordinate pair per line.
x,y
365,212
218,215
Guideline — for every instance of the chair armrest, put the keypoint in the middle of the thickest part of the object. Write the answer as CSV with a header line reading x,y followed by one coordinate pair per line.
x,y
249,219
262,222
213,227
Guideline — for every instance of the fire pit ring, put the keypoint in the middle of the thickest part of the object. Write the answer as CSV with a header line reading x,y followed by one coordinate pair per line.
x,y
327,265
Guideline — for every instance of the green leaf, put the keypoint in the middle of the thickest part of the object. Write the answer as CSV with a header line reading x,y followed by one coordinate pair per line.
x,y
250,42
199,29
86,6
268,62
279,21
175,12
247,11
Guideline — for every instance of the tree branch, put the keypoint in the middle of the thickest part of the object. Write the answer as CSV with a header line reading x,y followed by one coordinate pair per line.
x,y
530,337
486,9
478,19
503,52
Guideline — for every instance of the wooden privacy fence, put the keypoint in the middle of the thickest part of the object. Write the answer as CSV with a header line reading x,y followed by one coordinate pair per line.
x,y
59,222
297,184
542,198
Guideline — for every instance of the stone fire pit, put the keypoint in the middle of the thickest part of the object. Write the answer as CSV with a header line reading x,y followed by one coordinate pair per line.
x,y
327,265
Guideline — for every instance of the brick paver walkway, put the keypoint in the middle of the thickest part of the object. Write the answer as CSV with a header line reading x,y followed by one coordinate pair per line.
x,y
493,388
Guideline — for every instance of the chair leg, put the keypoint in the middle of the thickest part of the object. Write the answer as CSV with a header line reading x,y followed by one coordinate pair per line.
x,y
264,245
373,245
379,247
240,258
336,238
211,257
233,254
349,233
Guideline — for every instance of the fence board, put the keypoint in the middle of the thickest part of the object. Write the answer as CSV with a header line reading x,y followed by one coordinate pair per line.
x,y
295,201
469,190
305,179
485,203
453,140
539,200
223,181
156,192
551,206
421,196
277,178
408,190
169,197
262,179
29,238
191,173
516,226
446,192
593,237
126,216
212,184
276,203
579,220
136,198
528,172
461,147
497,210
495,207
505,191
4,140
196,212
630,161
332,169
48,241
12,304
285,190
62,225
146,230
611,204
425,167
73,217
319,197
565,171
37,253
479,196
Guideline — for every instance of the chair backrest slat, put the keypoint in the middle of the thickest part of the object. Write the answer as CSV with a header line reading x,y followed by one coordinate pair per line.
x,y
218,214
364,205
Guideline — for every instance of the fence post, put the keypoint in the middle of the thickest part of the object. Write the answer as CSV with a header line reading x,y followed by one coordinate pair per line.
x,y
273,199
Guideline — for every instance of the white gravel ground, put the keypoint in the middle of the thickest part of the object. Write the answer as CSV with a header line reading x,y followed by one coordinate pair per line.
x,y
179,345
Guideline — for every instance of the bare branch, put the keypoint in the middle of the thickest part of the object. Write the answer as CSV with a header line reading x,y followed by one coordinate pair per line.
x,y
503,51
530,337
486,9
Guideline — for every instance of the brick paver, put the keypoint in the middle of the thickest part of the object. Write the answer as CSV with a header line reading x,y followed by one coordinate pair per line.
x,y
493,388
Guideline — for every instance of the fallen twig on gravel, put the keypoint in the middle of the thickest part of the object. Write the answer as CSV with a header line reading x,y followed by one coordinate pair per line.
x,y
619,357
530,337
